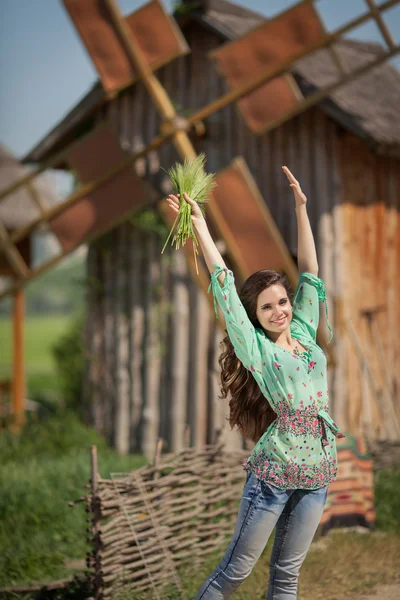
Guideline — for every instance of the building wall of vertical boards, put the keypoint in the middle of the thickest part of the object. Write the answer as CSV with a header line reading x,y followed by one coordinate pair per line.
x,y
152,340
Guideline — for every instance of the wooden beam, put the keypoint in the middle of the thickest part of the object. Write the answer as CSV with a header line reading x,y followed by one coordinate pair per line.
x,y
14,257
26,179
36,198
326,91
376,13
18,385
341,67
155,89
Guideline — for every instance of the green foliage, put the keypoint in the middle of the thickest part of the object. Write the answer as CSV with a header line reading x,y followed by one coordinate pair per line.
x,y
58,291
183,8
41,332
149,219
69,356
198,185
41,470
387,499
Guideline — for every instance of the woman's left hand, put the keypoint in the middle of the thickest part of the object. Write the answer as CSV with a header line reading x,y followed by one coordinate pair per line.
x,y
299,195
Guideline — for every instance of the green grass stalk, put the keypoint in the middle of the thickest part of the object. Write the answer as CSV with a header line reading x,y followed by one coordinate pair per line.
x,y
198,185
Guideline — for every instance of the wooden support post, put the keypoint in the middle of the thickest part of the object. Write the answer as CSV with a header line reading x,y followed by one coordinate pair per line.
x,y
18,386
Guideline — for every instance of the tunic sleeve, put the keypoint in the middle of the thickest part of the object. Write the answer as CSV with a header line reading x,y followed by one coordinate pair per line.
x,y
240,329
309,292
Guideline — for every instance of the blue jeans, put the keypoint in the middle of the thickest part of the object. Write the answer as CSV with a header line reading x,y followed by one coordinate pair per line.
x,y
296,515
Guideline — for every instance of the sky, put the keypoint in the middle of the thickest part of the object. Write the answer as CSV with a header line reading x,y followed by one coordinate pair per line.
x,y
45,69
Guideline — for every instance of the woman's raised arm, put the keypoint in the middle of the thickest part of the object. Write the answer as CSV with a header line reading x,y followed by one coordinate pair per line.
x,y
310,289
240,329
306,253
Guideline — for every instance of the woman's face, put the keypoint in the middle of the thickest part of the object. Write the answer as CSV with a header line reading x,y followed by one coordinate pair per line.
x,y
274,311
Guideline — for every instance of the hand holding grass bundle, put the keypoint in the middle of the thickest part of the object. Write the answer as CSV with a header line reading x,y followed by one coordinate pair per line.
x,y
192,186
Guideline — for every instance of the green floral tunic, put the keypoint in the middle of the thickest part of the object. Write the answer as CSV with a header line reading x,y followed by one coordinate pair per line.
x,y
298,450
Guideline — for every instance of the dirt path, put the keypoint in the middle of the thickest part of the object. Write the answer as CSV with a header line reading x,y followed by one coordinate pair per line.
x,y
381,592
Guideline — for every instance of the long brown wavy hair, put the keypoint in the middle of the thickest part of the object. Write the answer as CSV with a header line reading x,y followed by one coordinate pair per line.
x,y
249,410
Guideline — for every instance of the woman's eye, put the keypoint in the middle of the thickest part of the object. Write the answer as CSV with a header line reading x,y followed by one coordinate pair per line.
x,y
283,301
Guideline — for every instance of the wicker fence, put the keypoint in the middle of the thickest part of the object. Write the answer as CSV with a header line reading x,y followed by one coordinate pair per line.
x,y
173,512
146,523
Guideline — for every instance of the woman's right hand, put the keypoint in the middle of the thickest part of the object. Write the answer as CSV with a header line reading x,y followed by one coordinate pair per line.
x,y
197,215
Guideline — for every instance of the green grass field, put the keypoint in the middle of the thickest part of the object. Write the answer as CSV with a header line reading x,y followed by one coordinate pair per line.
x,y
41,332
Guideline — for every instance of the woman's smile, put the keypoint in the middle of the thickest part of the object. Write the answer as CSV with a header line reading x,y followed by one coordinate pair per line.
x,y
280,321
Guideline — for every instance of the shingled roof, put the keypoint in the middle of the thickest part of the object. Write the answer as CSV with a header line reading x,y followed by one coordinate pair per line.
x,y
368,106
20,208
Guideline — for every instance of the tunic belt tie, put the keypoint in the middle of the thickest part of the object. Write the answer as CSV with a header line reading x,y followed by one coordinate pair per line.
x,y
326,420
321,417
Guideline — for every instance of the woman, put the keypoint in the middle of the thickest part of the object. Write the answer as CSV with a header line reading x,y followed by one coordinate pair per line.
x,y
282,406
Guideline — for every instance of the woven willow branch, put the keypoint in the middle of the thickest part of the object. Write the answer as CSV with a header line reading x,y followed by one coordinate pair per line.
x,y
148,523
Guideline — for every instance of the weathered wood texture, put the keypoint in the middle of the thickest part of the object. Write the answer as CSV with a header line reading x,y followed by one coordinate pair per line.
x,y
370,219
149,379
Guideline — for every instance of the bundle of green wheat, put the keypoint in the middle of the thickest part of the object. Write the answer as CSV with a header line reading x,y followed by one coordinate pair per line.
x,y
192,179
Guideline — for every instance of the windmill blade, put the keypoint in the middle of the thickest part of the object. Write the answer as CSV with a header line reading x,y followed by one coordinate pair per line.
x,y
95,208
155,30
266,47
108,204
258,65
247,225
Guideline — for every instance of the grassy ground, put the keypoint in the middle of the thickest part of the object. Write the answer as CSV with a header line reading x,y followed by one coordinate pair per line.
x,y
40,472
41,333
337,566
342,565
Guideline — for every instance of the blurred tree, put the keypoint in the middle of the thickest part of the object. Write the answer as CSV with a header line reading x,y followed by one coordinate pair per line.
x,y
69,356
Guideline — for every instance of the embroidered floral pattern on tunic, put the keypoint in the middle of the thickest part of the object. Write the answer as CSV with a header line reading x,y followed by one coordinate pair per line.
x,y
300,422
291,475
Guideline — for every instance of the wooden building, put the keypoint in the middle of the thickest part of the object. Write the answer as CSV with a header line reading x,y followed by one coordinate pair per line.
x,y
152,339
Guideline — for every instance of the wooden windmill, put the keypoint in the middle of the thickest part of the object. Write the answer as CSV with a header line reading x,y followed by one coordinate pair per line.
x,y
257,69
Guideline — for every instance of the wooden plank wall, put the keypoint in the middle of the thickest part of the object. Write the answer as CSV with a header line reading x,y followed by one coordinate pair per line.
x,y
370,221
151,347
353,207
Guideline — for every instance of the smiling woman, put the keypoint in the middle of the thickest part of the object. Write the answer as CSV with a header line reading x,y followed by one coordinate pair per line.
x,y
275,374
